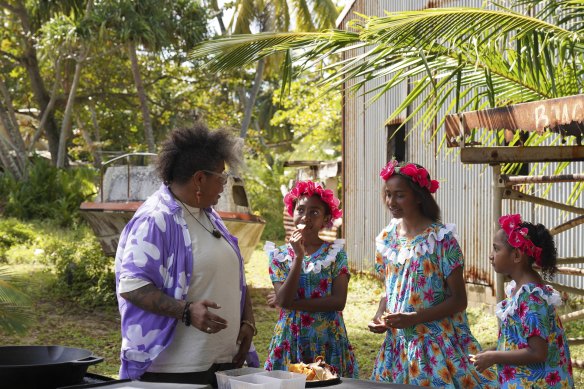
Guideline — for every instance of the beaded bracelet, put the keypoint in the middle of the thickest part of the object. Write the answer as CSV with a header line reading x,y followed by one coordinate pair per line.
x,y
186,315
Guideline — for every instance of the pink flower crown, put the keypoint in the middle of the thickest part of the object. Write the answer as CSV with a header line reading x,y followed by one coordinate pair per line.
x,y
308,189
417,174
518,238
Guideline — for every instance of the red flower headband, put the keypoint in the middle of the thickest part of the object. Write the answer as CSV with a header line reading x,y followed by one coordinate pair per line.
x,y
418,174
518,238
308,189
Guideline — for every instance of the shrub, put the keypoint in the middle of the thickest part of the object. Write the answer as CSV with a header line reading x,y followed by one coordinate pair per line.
x,y
84,273
13,232
47,193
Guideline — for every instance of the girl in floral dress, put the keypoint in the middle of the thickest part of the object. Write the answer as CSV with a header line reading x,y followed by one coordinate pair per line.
x,y
310,280
428,340
532,351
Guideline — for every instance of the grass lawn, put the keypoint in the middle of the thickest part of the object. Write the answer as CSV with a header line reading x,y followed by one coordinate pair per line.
x,y
63,323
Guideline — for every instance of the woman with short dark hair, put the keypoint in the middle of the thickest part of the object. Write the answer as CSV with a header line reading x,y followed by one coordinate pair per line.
x,y
179,272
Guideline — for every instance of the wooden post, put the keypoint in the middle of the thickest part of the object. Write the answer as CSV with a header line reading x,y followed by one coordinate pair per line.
x,y
497,213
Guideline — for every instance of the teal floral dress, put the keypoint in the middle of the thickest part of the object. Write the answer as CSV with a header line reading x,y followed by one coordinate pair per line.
x,y
433,353
530,311
301,336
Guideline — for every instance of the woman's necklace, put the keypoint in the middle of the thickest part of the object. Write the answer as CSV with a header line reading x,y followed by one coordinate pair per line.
x,y
215,232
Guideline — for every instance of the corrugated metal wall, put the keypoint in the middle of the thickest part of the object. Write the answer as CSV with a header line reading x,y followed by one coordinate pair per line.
x,y
465,196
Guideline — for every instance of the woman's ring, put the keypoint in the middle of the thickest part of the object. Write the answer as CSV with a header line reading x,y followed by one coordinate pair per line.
x,y
208,329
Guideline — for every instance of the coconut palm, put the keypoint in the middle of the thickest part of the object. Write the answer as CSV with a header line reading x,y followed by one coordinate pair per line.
x,y
468,58
14,311
275,15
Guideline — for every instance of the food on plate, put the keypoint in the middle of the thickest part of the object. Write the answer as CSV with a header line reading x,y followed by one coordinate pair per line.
x,y
319,370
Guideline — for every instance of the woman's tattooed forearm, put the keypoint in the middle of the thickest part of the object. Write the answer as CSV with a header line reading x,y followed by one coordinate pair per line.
x,y
152,299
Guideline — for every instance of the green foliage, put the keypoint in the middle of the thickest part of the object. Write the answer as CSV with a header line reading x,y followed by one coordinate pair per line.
x,y
13,233
84,274
263,189
14,305
314,121
48,192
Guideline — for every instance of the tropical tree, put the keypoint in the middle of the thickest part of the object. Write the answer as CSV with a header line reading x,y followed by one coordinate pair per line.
x,y
273,15
19,31
151,25
473,57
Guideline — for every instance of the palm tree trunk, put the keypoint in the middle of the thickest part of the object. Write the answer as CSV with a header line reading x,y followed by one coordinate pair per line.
x,y
215,8
66,125
148,133
252,97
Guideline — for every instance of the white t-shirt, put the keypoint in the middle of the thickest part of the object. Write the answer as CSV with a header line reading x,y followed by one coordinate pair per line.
x,y
216,278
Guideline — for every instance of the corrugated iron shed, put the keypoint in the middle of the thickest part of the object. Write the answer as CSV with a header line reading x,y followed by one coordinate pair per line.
x,y
466,192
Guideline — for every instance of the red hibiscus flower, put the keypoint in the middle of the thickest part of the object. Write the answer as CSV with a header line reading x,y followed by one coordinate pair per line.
x,y
428,369
388,170
508,373
315,294
552,378
429,295
323,285
294,329
278,352
306,320
301,293
434,186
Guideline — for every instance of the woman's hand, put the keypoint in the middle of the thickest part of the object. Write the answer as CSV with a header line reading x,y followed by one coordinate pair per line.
x,y
271,300
483,360
377,325
205,320
244,339
297,243
400,319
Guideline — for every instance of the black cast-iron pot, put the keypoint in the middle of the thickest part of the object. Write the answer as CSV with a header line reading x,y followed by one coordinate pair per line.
x,y
43,367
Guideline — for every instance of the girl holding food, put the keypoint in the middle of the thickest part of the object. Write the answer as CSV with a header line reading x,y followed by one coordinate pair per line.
x,y
310,278
428,341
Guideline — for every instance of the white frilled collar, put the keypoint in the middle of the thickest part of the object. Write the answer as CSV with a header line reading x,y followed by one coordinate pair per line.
x,y
422,247
509,306
307,266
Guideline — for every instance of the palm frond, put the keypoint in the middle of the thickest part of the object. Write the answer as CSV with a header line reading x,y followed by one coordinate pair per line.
x,y
487,57
14,311
453,25
239,50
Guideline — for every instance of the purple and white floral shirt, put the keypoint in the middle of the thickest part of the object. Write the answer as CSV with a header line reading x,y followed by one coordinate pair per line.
x,y
155,246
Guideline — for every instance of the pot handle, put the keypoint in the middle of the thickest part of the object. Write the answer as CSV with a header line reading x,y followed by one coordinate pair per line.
x,y
91,360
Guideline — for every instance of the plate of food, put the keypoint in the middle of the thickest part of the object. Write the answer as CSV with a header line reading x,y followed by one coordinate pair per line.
x,y
319,373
